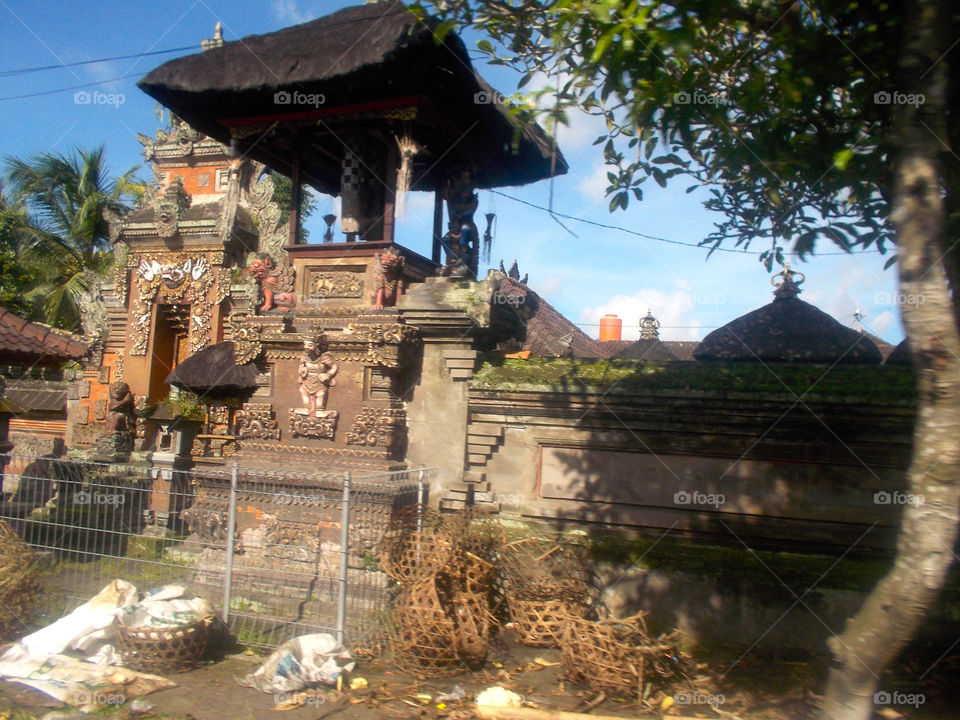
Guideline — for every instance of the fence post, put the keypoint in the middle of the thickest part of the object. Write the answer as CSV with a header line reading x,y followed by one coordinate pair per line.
x,y
420,501
344,550
231,528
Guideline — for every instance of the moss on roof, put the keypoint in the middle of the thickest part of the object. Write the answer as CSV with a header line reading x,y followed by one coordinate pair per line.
x,y
875,383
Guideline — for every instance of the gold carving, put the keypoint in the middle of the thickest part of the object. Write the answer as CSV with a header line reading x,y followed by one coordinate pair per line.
x,y
339,284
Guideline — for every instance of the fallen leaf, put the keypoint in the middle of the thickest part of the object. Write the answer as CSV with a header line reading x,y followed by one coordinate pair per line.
x,y
545,663
667,703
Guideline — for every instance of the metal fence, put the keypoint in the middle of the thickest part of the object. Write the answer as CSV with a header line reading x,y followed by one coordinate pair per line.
x,y
277,553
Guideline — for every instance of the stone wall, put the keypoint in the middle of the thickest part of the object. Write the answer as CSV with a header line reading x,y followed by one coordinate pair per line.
x,y
696,454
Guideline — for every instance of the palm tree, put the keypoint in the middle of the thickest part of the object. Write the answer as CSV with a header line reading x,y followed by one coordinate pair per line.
x,y
69,199
17,274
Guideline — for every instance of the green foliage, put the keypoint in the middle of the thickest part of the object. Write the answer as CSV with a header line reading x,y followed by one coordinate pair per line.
x,y
187,405
282,194
58,229
783,112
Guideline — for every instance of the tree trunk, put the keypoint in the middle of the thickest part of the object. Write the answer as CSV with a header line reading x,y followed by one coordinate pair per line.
x,y
896,607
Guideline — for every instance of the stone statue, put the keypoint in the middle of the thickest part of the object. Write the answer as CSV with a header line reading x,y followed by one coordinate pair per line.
x,y
316,373
389,281
121,423
462,239
120,415
276,283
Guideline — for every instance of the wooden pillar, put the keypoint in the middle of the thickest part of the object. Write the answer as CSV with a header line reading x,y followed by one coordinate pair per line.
x,y
295,191
437,225
390,193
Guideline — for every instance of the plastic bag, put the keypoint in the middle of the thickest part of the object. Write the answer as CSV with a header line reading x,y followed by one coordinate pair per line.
x,y
301,663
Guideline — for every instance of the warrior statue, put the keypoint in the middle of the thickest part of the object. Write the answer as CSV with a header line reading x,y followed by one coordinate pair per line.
x,y
317,371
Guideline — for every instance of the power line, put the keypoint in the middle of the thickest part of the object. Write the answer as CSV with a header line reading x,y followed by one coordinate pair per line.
x,y
68,89
42,68
654,237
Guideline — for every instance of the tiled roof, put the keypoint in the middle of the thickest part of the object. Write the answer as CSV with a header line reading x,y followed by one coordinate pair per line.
x,y
27,343
47,396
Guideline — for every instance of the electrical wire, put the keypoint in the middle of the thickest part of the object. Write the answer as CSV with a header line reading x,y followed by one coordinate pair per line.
x,y
42,68
654,237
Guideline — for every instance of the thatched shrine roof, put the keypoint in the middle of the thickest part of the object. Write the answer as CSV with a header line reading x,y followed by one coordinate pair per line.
x,y
788,329
212,372
378,69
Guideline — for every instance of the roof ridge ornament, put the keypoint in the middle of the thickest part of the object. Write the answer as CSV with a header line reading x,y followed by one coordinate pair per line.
x,y
649,326
788,286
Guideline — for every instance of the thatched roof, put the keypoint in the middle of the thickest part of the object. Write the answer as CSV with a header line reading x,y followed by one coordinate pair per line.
x,y
371,63
27,343
900,355
788,329
212,372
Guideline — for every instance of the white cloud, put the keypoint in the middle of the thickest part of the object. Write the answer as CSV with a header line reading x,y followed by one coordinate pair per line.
x,y
290,13
672,309
593,187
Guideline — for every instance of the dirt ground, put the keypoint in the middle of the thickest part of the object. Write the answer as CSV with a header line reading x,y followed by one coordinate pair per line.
x,y
756,689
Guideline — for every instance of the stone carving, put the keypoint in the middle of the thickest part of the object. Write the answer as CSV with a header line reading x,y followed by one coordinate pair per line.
x,y
172,277
272,238
256,420
103,375
208,523
100,409
389,282
320,426
377,426
170,208
246,340
121,423
276,283
338,284
462,239
316,373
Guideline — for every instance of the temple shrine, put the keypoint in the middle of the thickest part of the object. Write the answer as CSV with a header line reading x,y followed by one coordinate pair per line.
x,y
308,356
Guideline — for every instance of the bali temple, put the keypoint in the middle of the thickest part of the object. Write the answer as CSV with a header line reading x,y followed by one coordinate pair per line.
x,y
224,337
315,356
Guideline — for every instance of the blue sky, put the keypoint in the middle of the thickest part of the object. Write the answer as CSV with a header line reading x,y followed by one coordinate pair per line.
x,y
584,276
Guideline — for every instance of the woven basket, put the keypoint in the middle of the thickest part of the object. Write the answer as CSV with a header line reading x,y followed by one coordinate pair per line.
x,y
540,623
163,649
608,655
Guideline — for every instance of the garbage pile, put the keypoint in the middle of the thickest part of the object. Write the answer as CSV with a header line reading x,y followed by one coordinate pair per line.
x,y
80,659
446,593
